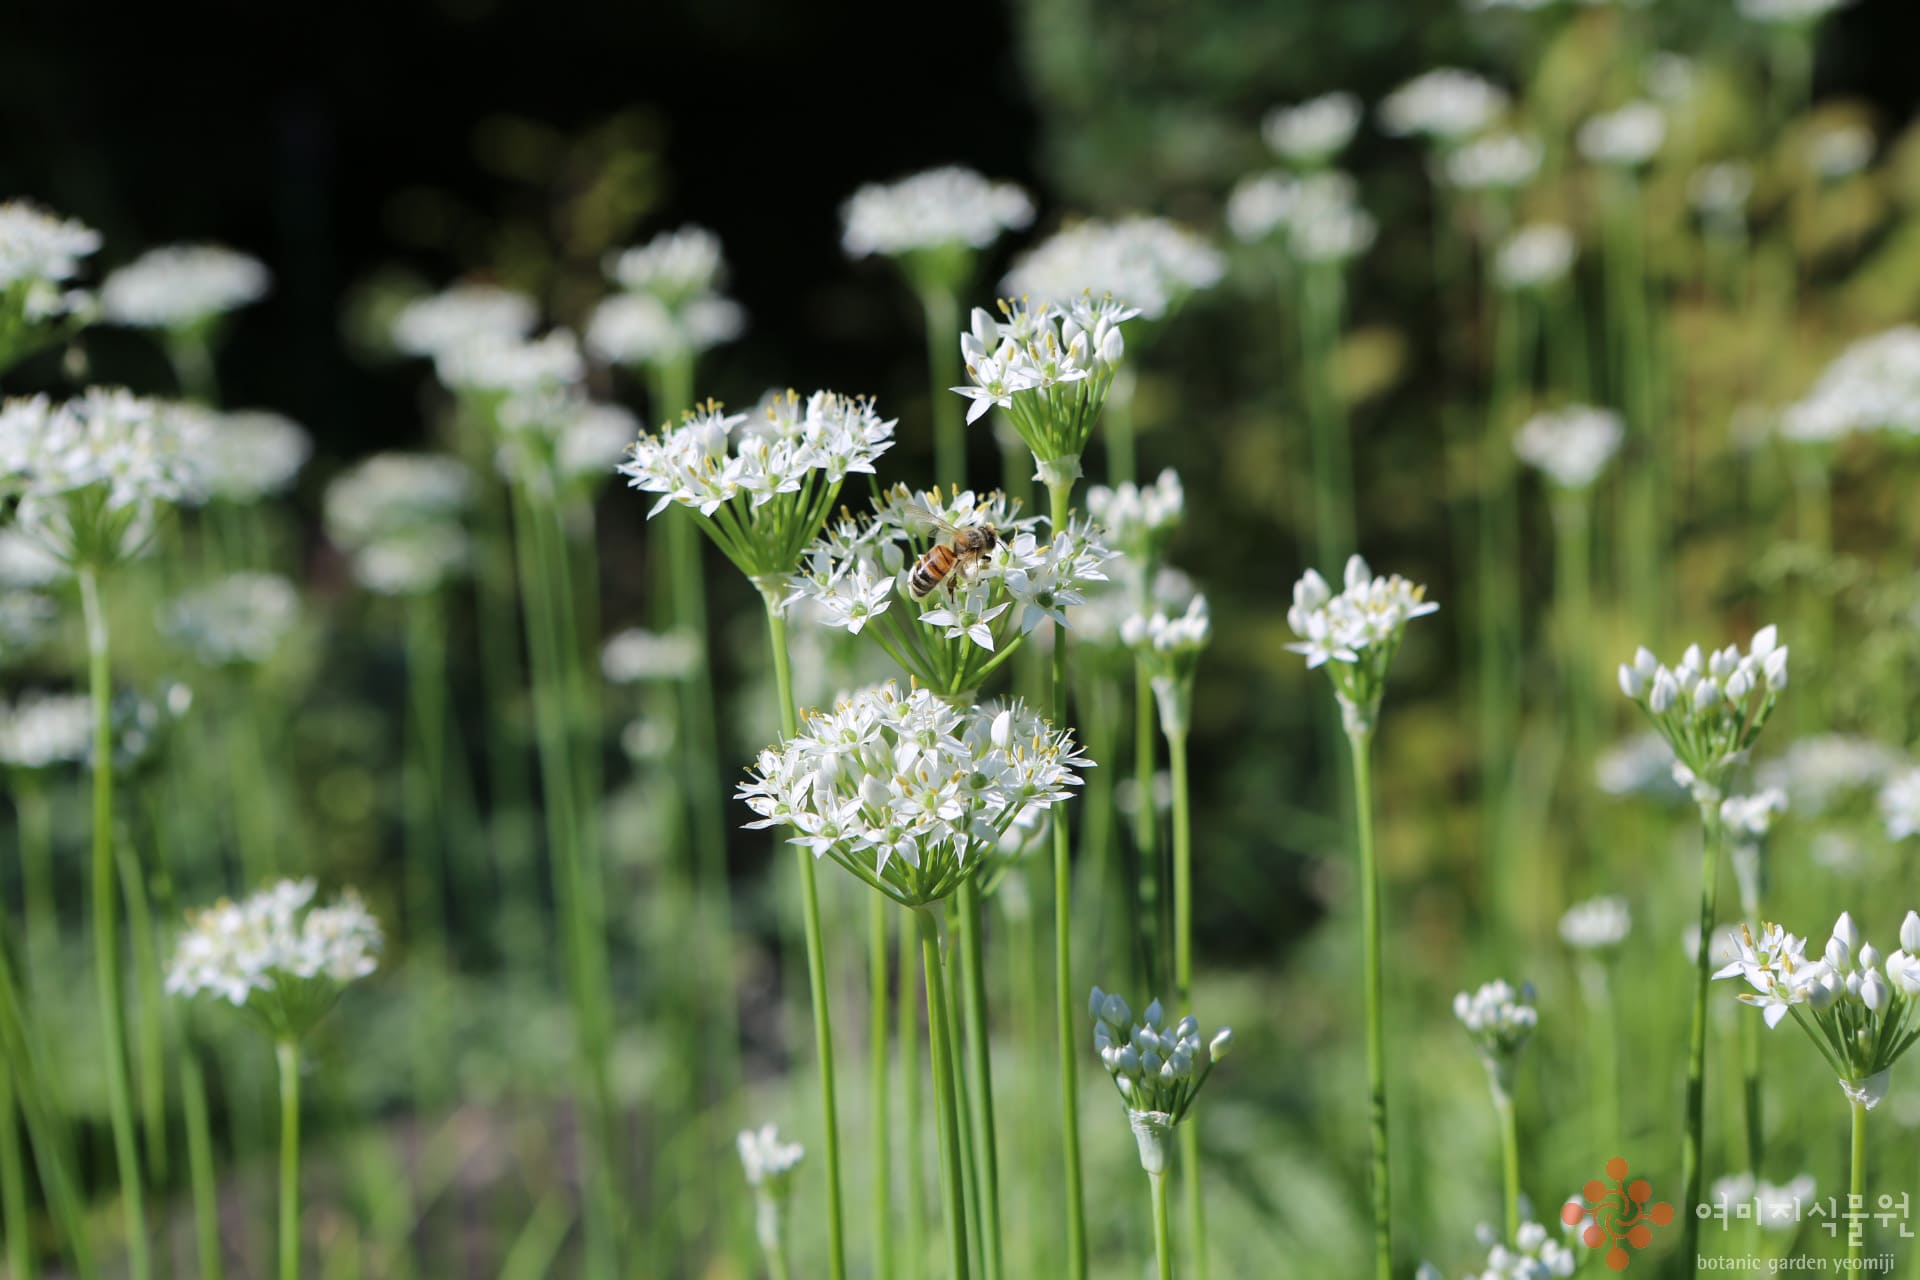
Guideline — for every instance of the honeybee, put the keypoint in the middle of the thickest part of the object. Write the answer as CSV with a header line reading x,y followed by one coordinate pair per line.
x,y
959,550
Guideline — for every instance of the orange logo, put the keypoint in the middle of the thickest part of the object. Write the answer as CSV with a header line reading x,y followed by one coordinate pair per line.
x,y
1620,1214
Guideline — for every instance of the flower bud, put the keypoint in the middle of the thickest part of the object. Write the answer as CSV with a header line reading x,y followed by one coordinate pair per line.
x,y
1692,660
1910,933
1154,1014
1869,957
1874,991
1839,955
1644,662
1222,1043
1903,971
1765,640
1775,670
1739,685
1660,700
1707,694
1846,931
1632,683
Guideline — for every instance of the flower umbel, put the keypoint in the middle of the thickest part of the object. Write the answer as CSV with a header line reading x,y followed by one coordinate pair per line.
x,y
1158,1068
1709,708
1501,1021
1355,634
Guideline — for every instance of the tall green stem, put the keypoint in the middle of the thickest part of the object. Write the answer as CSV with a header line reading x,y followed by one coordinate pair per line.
x,y
817,965
945,1098
1061,500
149,1040
1162,1244
51,1155
106,929
35,818
1321,307
1509,1162
1598,990
13,1185
1857,1185
943,356
1360,747
1183,981
879,1096
206,1200
288,1053
1146,828
973,1012
913,1177
1692,1165
1118,427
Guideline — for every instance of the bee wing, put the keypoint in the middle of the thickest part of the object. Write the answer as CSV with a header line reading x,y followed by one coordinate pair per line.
x,y
917,516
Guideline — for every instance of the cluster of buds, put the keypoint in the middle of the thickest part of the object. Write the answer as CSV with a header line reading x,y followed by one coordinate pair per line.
x,y
1709,708
1158,1069
1501,1021
1170,649
1049,368
1355,634
1854,1004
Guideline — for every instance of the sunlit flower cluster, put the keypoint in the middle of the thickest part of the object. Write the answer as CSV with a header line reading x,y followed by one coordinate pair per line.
x,y
1312,133
1570,446
238,620
1855,1006
1710,708
1158,1068
1537,255
910,794
1139,519
1598,924
398,516
463,314
500,366
1493,162
1874,385
39,254
277,955
46,729
951,206
93,474
1533,1255
1445,105
1500,1020
252,454
1049,367
182,287
1170,647
669,306
562,440
1315,218
1150,263
1627,137
1750,817
636,656
1355,634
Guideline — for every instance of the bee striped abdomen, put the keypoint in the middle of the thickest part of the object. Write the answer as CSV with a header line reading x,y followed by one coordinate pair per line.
x,y
930,569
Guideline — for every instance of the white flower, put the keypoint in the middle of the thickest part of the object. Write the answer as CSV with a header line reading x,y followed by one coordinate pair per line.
x,y
1158,1068
1628,137
768,1162
1751,817
1571,446
1841,151
1050,368
1495,162
1874,385
1355,634
562,438
239,619
42,730
1900,805
25,564
1312,132
940,208
1720,191
638,328
411,561
1501,1020
1445,105
1818,771
499,365
1136,516
1537,255
638,655
1709,709
40,248
1597,924
182,286
276,954
1788,12
674,265
1260,204
392,491
253,454
460,315
1150,263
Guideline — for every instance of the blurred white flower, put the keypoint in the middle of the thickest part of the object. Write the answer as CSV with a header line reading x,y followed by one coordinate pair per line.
x,y
1719,192
1494,162
639,328
1874,385
1313,132
397,516
42,730
1639,765
1788,12
942,208
673,266
1900,804
1169,647
1139,519
182,287
1148,263
1445,105
252,454
37,247
1841,151
239,619
1535,256
462,314
1750,817
1355,634
1316,217
767,1161
637,655
1598,924
1627,138
1260,205
1500,1020
25,564
412,561
501,365
1570,446
1817,771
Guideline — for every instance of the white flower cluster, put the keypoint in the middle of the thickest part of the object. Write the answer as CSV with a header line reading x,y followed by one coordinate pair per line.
x,y
676,264
1139,519
1355,634
1537,255
1151,263
1841,151
1050,368
1798,13
1709,708
1874,385
1855,1006
1316,217
1598,924
1501,1021
1570,446
276,954
1719,192
1626,138
398,516
238,620
1494,162
1158,1068
670,305
1533,1255
1749,818
1445,105
94,473
47,729
1776,1208
1818,772
462,314
948,207
1900,804
1313,132
182,287
502,366
40,249
636,656
252,454
1639,765
768,1162
562,440
1170,648
908,793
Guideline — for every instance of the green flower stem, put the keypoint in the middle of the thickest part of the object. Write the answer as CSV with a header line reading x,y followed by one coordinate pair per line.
x,y
1120,427
288,1054
913,1177
1360,748
1692,1164
426,816
1630,343
149,1046
945,1096
973,1008
13,1185
1573,586
1146,829
1183,981
106,929
575,898
206,1196
879,1095
1162,1244
1321,305
1030,1023
1596,986
942,310
963,1105
1101,700
1499,643
510,807
817,968
35,818
1061,501
51,1155
1857,1181
1750,1093
1509,1162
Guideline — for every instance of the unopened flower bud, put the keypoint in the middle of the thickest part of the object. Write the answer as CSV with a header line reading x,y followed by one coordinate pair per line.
x,y
1765,640
1660,699
1775,669
1632,683
1874,992
1869,956
1910,933
1222,1043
